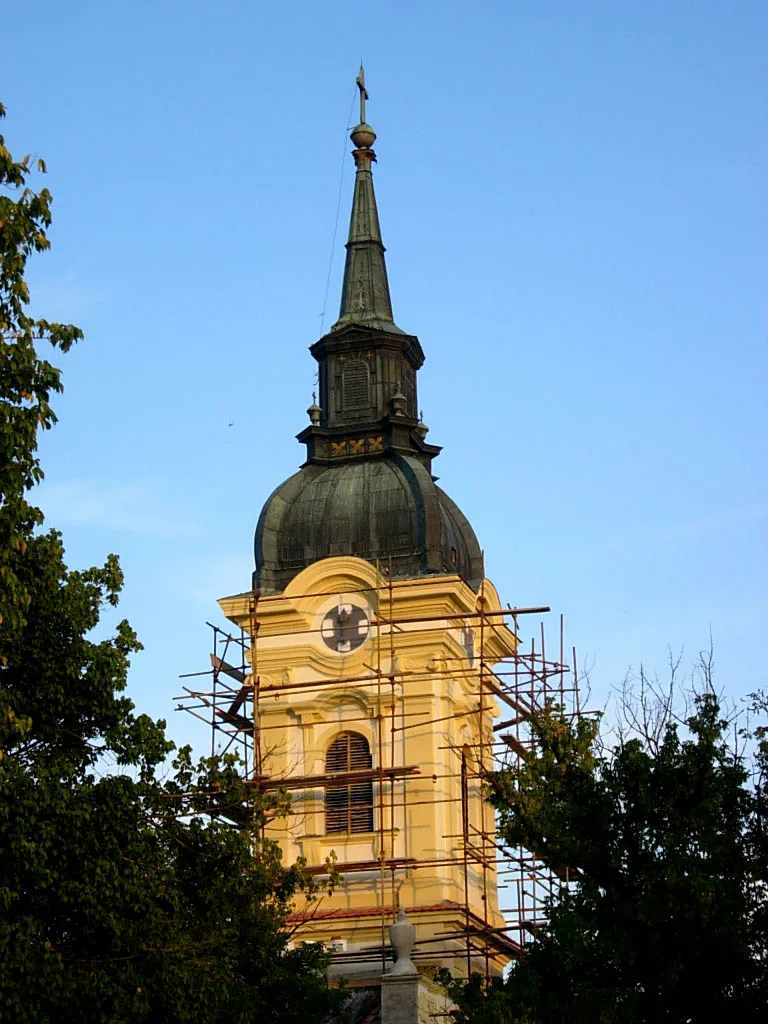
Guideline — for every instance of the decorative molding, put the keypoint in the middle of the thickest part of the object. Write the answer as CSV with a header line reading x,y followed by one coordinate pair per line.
x,y
357,446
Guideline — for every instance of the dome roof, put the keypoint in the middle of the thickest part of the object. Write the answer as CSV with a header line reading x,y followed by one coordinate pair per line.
x,y
370,508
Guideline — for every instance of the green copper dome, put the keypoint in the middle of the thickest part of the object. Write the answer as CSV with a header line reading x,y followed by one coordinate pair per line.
x,y
374,509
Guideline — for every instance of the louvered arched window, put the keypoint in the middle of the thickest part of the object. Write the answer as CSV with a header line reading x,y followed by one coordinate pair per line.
x,y
356,386
349,808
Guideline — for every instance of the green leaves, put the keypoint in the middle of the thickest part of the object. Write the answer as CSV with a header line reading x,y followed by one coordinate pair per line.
x,y
666,919
27,382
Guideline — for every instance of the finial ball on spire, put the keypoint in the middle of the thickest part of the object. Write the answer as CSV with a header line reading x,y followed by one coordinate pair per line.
x,y
363,136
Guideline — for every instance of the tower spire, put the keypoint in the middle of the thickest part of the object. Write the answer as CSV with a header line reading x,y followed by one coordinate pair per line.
x,y
365,291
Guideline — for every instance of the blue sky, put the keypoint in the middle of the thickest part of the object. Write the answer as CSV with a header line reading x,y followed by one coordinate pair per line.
x,y
573,200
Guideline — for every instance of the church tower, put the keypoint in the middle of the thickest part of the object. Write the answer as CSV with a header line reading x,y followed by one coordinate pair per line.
x,y
373,635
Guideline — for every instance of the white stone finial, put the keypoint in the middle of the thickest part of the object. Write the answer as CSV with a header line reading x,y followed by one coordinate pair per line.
x,y
402,935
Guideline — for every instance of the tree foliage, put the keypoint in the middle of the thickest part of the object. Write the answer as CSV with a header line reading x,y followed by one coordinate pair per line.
x,y
666,918
123,896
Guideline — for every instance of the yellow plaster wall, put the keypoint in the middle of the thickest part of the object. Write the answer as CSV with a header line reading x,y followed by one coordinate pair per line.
x,y
435,698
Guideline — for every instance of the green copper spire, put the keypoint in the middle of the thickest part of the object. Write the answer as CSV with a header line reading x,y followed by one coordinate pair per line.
x,y
365,292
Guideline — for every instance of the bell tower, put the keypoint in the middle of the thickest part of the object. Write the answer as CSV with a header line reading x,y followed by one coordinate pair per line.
x,y
374,633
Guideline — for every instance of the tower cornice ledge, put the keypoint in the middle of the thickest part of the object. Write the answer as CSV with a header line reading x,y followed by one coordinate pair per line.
x,y
353,336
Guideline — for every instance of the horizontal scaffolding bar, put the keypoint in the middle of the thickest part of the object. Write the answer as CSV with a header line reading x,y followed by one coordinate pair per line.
x,y
334,779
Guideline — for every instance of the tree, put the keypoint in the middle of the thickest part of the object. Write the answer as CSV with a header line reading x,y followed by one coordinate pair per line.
x,y
122,897
666,920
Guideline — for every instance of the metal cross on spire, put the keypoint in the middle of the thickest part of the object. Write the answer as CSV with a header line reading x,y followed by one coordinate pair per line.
x,y
360,81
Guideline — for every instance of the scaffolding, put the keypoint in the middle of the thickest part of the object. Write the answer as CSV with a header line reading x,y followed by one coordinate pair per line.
x,y
231,703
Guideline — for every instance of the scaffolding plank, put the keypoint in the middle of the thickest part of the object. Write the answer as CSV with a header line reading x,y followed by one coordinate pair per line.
x,y
219,665
233,718
362,865
336,778
497,691
509,722
514,744
566,874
